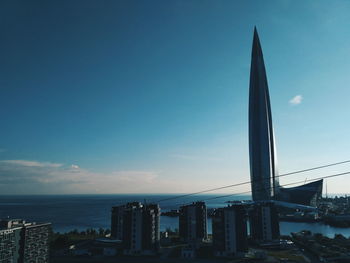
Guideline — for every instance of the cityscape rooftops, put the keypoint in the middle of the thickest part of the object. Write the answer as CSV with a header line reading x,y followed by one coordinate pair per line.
x,y
14,223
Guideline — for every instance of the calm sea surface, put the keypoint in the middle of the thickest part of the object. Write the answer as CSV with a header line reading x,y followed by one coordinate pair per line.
x,y
68,212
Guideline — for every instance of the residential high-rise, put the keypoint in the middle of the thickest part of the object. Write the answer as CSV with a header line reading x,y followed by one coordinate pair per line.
x,y
230,235
193,222
24,242
11,249
137,225
36,242
262,153
151,230
264,223
117,222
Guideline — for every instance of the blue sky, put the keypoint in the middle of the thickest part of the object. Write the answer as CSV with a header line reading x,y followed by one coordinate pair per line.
x,y
152,96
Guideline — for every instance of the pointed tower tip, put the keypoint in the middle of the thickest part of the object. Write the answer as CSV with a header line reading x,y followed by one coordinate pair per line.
x,y
256,49
256,32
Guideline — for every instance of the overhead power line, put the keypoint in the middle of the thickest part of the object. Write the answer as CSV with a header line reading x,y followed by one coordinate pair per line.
x,y
249,182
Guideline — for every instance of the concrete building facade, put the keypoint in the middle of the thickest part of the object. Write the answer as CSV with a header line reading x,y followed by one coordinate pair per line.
x,y
230,235
264,223
117,213
137,225
24,242
193,222
10,245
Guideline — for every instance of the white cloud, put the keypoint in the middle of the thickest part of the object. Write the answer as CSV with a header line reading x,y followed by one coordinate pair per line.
x,y
31,163
35,177
296,100
23,176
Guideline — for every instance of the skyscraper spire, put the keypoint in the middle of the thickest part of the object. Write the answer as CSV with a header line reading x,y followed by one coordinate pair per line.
x,y
262,153
263,162
256,49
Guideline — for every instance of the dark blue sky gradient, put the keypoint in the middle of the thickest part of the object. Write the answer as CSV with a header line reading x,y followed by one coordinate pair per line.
x,y
162,86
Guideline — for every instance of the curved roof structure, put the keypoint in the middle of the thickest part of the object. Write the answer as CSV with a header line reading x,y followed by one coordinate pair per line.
x,y
307,194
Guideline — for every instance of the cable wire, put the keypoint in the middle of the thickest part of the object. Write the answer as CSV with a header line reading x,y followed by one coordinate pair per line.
x,y
249,182
309,180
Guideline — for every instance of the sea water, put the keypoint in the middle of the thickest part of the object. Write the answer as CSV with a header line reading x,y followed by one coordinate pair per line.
x,y
68,212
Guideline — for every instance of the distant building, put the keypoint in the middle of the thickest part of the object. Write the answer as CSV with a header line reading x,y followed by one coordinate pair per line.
x,y
230,235
193,222
137,225
24,242
98,247
264,223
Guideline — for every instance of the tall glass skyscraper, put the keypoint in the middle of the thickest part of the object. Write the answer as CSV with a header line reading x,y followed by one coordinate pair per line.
x,y
262,153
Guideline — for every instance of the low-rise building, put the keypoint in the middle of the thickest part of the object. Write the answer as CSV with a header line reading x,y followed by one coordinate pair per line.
x,y
188,253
